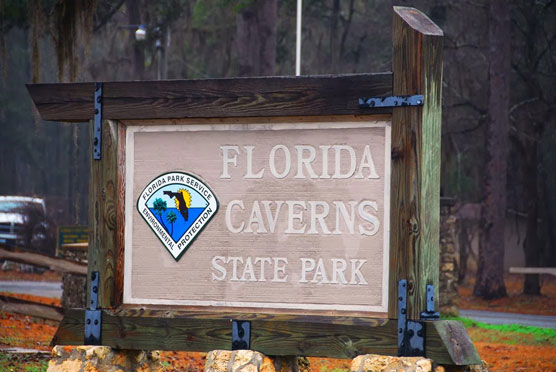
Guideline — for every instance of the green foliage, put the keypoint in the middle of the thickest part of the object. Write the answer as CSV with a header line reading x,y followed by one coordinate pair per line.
x,y
23,362
13,13
168,11
325,369
541,334
43,366
459,179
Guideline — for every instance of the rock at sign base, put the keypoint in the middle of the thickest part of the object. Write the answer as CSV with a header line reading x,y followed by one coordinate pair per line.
x,y
252,361
237,361
102,358
383,363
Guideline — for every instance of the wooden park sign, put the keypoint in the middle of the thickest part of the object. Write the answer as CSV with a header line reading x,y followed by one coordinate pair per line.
x,y
289,215
271,208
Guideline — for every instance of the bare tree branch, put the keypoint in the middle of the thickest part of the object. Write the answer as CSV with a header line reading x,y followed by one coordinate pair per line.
x,y
522,103
108,16
465,130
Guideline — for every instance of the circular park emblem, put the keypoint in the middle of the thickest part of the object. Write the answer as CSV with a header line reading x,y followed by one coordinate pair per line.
x,y
177,206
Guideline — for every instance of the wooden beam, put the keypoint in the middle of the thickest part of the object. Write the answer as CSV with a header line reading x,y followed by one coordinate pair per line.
x,y
415,182
270,334
455,339
237,97
103,203
20,306
120,218
533,270
36,259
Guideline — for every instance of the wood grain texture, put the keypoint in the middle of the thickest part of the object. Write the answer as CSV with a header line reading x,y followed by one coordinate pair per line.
x,y
415,217
457,342
120,218
103,200
11,304
53,263
270,335
196,150
237,97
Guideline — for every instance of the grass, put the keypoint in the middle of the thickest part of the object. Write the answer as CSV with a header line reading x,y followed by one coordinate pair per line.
x,y
325,369
507,333
24,363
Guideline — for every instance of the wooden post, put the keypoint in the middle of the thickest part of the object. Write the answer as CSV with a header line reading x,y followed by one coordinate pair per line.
x,y
414,234
307,102
102,215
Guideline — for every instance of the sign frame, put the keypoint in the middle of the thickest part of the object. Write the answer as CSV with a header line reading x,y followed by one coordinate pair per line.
x,y
414,218
277,125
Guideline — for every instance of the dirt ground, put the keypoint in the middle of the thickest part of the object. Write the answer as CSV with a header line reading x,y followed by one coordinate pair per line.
x,y
516,302
501,351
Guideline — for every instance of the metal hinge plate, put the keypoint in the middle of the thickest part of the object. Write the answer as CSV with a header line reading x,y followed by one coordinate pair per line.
x,y
392,101
93,325
93,316
411,333
97,122
241,335
430,314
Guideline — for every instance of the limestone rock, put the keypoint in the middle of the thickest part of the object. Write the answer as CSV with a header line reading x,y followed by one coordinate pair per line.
x,y
102,358
471,368
448,300
252,361
383,363
238,361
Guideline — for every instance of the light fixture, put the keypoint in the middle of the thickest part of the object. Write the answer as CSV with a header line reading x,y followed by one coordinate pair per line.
x,y
140,33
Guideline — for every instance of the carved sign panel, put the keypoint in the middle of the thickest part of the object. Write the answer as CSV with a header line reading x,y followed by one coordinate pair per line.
x,y
291,216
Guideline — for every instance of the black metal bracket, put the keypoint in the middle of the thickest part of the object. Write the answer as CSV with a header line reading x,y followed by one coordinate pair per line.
x,y
93,316
97,122
430,314
402,316
392,101
241,335
411,333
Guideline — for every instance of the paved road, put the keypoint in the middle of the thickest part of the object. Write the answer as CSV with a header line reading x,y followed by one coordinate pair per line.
x,y
495,317
45,289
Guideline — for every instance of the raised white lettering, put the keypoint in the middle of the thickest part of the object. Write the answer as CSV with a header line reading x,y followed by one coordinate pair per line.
x,y
302,161
280,268
318,216
227,160
256,217
217,267
307,265
250,174
338,161
287,161
235,230
368,217
367,162
293,216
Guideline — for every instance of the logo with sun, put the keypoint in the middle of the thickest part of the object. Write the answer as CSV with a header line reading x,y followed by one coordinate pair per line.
x,y
177,206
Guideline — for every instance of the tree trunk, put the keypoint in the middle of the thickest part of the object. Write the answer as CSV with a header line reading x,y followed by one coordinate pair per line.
x,y
256,38
334,47
531,245
464,248
490,275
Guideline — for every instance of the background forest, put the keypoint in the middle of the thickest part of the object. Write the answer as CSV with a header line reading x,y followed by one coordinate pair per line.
x,y
67,40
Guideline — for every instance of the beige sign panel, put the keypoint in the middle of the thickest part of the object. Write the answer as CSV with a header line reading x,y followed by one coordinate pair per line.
x,y
299,215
